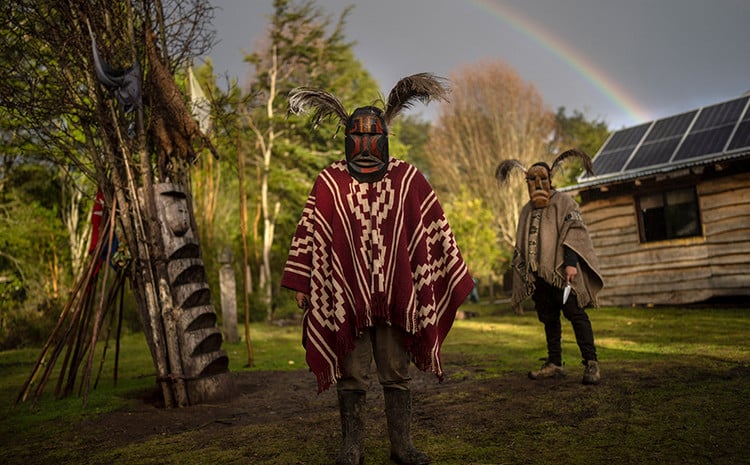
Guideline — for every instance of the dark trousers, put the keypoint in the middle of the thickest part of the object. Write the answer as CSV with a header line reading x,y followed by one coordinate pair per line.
x,y
548,303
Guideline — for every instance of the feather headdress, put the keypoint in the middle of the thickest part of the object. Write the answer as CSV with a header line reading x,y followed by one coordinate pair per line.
x,y
505,167
422,87
325,104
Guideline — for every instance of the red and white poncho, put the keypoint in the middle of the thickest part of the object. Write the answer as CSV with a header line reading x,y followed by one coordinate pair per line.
x,y
367,252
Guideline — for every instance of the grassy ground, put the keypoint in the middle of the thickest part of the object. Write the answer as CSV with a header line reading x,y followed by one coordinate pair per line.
x,y
675,389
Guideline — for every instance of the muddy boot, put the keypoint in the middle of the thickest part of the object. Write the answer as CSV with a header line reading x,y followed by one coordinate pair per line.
x,y
548,370
398,415
351,406
591,373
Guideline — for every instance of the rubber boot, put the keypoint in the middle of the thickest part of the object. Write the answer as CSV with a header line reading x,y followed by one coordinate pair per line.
x,y
351,406
398,416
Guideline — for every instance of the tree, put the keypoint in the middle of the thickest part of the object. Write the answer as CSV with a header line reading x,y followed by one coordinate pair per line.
x,y
303,47
77,192
493,115
576,131
414,133
33,252
93,82
472,224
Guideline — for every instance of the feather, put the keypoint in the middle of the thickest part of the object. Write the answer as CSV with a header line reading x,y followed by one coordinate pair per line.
x,y
422,87
323,104
587,165
505,167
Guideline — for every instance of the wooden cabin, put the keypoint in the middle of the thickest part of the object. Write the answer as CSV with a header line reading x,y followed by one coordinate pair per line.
x,y
668,208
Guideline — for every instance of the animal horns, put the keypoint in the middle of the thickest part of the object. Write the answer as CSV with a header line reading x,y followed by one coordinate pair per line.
x,y
587,165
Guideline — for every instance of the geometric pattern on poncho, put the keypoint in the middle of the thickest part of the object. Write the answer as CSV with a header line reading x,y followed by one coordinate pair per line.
x,y
393,259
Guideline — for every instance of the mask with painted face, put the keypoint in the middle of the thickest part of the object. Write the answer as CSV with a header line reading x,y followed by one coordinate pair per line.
x,y
540,187
367,145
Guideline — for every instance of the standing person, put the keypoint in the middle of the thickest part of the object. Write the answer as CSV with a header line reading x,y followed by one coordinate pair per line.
x,y
554,263
375,267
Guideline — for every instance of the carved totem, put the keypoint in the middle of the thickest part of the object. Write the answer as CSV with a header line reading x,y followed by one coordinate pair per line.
x,y
204,365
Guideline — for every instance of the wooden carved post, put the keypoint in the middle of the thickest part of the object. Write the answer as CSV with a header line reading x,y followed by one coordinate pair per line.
x,y
228,285
204,365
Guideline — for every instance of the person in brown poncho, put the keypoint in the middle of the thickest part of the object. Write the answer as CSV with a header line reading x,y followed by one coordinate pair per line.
x,y
375,267
554,263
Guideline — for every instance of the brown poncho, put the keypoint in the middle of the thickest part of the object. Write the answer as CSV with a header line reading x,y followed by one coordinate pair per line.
x,y
560,224
367,252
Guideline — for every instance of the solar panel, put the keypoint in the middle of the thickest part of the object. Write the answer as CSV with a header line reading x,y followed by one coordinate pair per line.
x,y
704,143
741,139
611,162
711,131
674,126
616,151
626,138
661,141
720,114
654,153
696,134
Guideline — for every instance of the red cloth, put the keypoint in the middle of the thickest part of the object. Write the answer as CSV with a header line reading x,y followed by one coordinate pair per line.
x,y
96,219
367,252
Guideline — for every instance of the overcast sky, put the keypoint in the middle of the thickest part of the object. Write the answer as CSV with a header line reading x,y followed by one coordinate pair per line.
x,y
622,61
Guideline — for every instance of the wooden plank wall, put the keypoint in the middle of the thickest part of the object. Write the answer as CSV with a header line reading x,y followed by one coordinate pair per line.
x,y
676,271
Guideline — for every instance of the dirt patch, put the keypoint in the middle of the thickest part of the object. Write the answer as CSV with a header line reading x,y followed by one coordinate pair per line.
x,y
503,412
461,401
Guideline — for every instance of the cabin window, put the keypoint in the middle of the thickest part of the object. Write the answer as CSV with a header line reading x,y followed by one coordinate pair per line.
x,y
668,215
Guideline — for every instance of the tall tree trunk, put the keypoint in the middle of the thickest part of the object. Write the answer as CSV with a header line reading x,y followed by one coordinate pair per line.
x,y
266,144
245,255
269,219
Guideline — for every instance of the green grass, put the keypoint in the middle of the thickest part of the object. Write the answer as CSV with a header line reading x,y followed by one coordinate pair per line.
x,y
622,334
682,404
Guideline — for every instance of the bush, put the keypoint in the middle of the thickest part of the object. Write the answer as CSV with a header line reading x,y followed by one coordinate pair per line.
x,y
27,328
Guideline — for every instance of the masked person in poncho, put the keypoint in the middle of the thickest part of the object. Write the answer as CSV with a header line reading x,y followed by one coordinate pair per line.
x,y
375,266
554,263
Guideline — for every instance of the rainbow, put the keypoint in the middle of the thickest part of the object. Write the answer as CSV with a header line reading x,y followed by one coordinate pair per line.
x,y
568,55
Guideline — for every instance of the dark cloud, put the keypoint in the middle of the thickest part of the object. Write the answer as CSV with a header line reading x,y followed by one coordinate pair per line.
x,y
662,56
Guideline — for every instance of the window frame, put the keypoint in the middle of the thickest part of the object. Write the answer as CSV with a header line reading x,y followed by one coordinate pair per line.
x,y
668,226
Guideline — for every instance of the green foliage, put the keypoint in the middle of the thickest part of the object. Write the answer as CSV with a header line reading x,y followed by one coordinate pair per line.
x,y
36,254
577,131
473,227
33,182
32,244
414,134
11,291
20,327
